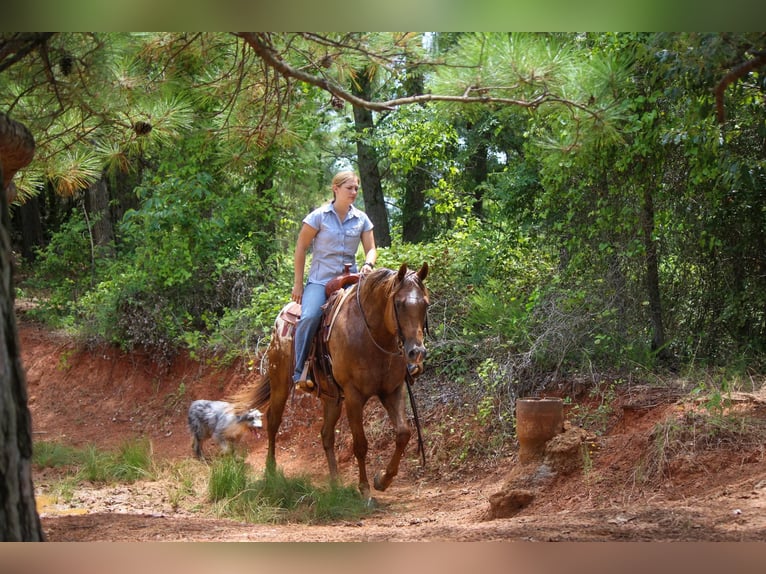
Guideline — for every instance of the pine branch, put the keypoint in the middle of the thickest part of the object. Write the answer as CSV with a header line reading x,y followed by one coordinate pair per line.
x,y
263,48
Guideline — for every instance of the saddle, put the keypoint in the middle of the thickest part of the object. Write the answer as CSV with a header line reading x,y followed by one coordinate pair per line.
x,y
319,359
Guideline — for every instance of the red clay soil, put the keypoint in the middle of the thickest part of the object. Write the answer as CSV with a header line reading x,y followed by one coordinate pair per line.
x,y
104,397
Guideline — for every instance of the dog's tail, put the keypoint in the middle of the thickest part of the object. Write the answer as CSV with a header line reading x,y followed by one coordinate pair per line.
x,y
256,394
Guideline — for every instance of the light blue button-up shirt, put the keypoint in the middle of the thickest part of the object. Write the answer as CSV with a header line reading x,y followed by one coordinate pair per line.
x,y
336,242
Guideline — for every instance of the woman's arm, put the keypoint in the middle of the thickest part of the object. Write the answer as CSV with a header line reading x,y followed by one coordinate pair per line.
x,y
305,237
370,251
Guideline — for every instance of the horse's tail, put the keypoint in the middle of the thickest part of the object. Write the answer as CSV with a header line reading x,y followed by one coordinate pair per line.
x,y
256,394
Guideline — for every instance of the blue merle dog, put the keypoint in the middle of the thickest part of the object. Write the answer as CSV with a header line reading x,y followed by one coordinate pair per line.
x,y
218,420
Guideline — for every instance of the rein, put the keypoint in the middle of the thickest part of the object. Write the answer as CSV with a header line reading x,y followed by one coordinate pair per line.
x,y
399,350
421,445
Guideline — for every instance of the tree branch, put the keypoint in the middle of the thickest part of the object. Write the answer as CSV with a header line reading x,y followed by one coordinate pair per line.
x,y
259,42
15,47
734,75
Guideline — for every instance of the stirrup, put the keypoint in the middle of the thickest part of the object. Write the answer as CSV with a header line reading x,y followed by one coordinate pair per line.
x,y
305,386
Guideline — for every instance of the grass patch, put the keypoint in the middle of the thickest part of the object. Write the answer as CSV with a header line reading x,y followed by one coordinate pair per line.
x,y
237,494
132,461
55,455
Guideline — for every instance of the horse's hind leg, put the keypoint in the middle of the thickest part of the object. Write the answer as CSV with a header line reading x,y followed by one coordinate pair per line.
x,y
394,405
279,394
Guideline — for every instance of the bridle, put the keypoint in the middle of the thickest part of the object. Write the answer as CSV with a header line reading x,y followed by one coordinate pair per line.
x,y
400,334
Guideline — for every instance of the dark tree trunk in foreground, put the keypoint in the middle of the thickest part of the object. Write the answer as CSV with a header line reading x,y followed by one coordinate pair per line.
x,y
19,520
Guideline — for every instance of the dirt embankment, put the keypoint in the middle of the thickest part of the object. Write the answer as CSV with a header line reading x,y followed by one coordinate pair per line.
x,y
104,397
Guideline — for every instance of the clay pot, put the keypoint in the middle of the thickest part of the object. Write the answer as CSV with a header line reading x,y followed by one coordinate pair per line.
x,y
538,420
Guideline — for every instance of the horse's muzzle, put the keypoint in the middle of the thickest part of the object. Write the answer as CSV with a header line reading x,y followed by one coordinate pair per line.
x,y
416,355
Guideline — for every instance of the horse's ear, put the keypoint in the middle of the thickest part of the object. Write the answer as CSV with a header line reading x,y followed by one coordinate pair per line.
x,y
423,273
402,273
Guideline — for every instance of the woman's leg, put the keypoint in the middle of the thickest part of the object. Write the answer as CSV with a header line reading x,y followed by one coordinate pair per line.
x,y
311,316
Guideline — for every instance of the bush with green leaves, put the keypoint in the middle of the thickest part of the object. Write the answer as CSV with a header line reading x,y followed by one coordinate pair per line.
x,y
64,271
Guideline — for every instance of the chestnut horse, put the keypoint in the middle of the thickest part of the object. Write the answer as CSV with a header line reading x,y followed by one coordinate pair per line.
x,y
376,332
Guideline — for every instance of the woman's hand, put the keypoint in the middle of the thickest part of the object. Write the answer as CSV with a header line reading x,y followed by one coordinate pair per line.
x,y
297,294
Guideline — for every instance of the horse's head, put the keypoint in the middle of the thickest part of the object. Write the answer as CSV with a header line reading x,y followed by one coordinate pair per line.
x,y
410,299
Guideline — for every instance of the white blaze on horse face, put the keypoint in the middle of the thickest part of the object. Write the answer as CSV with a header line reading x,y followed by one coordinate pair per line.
x,y
412,298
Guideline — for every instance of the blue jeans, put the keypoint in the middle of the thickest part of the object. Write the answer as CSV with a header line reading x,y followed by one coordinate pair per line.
x,y
311,316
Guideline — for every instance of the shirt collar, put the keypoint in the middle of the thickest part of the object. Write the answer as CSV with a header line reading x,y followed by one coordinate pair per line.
x,y
352,210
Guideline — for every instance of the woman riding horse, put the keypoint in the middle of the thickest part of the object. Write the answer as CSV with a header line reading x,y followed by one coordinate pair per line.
x,y
377,333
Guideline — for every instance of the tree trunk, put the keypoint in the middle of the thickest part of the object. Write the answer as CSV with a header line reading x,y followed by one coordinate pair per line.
x,y
413,221
374,202
413,203
97,206
478,171
19,520
28,224
653,274
266,194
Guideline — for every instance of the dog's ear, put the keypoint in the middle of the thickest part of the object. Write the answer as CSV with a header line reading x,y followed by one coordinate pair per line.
x,y
257,418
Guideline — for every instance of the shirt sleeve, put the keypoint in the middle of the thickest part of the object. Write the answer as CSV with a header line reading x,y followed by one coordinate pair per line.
x,y
367,222
314,219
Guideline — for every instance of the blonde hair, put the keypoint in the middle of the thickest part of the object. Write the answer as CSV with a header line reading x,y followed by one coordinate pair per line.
x,y
342,177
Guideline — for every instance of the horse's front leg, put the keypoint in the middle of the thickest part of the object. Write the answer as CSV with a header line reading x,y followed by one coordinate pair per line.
x,y
332,412
354,410
394,405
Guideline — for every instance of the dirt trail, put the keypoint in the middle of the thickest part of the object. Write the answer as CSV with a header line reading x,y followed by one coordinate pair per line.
x,y
104,397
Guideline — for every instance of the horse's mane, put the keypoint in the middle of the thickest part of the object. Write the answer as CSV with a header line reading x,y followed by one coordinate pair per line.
x,y
382,278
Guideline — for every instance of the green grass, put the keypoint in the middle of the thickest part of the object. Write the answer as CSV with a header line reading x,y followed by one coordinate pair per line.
x,y
236,493
132,461
55,455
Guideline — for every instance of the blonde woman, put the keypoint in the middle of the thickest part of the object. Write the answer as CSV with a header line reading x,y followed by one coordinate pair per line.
x,y
332,232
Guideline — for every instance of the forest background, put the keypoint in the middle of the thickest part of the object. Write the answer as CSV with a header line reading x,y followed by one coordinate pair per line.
x,y
587,202
590,204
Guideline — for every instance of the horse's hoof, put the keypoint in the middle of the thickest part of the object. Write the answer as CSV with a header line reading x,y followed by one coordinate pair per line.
x,y
381,481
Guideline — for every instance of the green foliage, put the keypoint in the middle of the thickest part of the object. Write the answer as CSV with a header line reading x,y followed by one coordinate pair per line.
x,y
481,283
63,271
543,225
276,498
